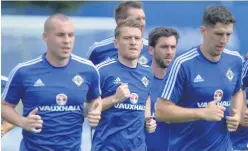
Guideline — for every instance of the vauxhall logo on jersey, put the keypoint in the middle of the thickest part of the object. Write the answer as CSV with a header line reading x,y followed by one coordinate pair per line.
x,y
61,100
133,106
218,94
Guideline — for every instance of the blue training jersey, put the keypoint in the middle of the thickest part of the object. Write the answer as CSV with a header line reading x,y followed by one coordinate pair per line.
x,y
100,51
158,140
122,126
193,81
240,137
59,93
3,83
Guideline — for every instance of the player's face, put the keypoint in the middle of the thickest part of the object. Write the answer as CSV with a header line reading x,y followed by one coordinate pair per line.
x,y
217,37
129,43
164,51
60,39
138,14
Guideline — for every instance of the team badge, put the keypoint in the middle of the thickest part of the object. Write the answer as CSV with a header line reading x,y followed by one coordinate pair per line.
x,y
145,81
143,60
78,80
61,99
218,94
229,74
134,98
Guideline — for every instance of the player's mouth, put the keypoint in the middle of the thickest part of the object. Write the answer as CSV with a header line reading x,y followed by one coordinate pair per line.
x,y
133,49
66,48
220,47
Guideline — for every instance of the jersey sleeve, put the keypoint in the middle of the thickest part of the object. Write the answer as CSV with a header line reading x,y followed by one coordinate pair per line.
x,y
245,75
239,74
94,90
3,83
172,85
14,88
91,54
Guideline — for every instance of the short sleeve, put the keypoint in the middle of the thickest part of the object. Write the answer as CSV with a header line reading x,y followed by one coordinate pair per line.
x,y
239,74
245,75
173,83
14,88
94,90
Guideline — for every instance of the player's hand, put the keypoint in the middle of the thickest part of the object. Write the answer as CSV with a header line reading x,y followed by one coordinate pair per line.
x,y
121,93
213,112
33,122
94,115
5,128
150,124
233,120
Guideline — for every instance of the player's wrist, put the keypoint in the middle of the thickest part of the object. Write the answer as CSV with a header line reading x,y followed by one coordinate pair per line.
x,y
114,99
22,122
200,114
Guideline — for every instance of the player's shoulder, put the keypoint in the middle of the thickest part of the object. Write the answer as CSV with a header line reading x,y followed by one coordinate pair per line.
x,y
231,54
186,56
27,65
82,62
104,44
105,65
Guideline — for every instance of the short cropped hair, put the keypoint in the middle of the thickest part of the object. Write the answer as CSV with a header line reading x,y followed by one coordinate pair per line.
x,y
217,14
121,10
158,32
47,24
130,22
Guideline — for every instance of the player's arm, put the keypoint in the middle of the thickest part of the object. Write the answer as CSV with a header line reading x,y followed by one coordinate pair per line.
x,y
120,95
233,120
93,107
148,107
10,115
244,113
150,122
11,96
168,111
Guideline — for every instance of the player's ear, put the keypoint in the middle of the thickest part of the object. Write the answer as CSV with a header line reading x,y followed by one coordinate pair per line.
x,y
151,50
44,36
116,43
203,30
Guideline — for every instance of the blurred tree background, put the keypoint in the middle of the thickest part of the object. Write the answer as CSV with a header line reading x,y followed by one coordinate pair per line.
x,y
53,6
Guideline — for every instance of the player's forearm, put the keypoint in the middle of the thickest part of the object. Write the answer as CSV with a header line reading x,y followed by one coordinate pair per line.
x,y
238,101
148,107
169,112
10,115
244,111
108,102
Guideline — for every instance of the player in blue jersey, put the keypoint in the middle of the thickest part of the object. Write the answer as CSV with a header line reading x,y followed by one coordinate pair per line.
x,y
240,137
104,49
198,87
162,46
53,89
125,86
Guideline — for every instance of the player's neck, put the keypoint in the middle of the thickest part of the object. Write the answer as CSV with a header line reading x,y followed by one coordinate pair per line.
x,y
55,62
128,63
207,55
158,71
